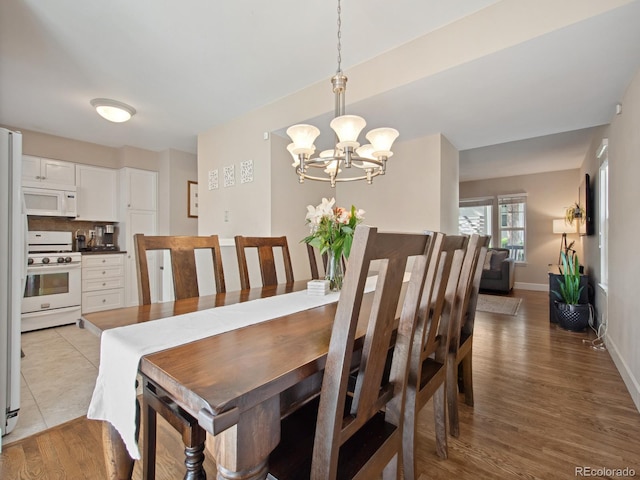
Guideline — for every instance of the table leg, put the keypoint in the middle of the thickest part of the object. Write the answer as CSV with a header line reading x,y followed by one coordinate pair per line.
x,y
117,460
242,451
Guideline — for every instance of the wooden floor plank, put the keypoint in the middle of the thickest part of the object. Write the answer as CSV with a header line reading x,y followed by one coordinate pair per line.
x,y
545,403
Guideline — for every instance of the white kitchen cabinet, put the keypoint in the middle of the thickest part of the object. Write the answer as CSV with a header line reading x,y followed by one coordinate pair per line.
x,y
97,191
138,214
45,172
103,282
139,189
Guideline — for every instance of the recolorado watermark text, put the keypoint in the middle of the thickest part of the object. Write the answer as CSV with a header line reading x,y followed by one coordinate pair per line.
x,y
604,472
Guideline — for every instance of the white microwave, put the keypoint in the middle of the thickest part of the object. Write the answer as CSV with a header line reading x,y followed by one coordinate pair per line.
x,y
50,203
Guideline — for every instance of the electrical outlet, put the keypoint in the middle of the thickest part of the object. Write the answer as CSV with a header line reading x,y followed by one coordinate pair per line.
x,y
226,215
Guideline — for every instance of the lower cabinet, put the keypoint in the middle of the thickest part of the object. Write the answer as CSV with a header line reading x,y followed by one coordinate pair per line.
x,y
102,282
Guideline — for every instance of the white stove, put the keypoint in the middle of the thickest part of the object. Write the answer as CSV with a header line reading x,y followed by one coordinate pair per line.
x,y
52,294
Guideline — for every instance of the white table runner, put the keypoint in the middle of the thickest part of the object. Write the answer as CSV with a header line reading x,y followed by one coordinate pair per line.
x,y
121,348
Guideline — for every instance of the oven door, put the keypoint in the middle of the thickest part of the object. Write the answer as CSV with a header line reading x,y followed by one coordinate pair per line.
x,y
52,286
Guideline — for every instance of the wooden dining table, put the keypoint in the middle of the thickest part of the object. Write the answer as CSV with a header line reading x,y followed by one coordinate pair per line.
x,y
236,384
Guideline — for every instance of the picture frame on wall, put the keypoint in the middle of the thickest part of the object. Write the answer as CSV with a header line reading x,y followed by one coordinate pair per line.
x,y
192,199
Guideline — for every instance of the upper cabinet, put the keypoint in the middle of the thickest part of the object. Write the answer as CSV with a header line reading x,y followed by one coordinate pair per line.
x,y
97,190
139,189
44,172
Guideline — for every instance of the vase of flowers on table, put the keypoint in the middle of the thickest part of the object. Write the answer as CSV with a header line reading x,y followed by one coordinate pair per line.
x,y
332,231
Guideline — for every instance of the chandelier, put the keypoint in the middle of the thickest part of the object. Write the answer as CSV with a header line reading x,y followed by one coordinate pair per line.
x,y
359,162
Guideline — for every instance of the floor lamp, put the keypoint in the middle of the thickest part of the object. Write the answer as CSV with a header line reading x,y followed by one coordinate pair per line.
x,y
560,226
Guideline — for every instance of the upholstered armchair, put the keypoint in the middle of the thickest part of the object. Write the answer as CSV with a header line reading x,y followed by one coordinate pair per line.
x,y
498,273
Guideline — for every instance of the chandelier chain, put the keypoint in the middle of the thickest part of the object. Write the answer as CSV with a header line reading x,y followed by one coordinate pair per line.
x,y
339,39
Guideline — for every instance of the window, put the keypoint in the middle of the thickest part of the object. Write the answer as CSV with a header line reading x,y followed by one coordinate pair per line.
x,y
475,216
503,217
603,216
511,229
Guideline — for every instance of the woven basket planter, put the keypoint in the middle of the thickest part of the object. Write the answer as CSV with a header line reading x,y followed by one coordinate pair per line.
x,y
573,317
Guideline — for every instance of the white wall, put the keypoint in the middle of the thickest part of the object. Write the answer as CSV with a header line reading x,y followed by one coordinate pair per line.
x,y
182,167
419,189
623,334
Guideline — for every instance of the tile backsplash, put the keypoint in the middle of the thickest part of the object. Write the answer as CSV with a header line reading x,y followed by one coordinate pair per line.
x,y
61,224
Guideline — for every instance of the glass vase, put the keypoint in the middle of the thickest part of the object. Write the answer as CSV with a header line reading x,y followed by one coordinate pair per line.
x,y
334,272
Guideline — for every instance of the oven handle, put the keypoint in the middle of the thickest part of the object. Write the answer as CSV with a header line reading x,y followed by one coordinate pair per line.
x,y
63,267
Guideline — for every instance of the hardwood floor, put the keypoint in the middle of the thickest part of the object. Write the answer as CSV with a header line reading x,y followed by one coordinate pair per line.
x,y
545,404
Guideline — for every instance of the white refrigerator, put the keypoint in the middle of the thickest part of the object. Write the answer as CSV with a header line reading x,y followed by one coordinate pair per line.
x,y
12,275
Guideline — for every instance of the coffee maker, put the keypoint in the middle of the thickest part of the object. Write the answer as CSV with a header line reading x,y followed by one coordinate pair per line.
x,y
108,239
81,241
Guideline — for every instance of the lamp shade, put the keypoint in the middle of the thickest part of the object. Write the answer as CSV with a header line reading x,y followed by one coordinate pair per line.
x,y
381,139
332,168
366,151
348,128
303,137
296,160
560,226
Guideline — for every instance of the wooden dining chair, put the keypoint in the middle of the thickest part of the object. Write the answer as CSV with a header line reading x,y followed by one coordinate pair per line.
x,y
266,259
183,263
185,284
461,338
352,433
313,262
428,360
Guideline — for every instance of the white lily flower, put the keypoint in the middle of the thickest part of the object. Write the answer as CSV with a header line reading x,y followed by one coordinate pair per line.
x,y
326,207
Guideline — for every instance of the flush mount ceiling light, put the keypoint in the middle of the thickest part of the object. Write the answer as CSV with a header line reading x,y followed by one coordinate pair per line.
x,y
369,160
113,110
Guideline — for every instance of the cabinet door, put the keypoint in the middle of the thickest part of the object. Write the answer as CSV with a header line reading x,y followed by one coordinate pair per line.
x,y
57,172
30,169
140,222
102,300
97,190
141,190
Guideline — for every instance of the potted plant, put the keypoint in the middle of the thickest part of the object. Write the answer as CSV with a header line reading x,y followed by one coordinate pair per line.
x,y
572,315
574,212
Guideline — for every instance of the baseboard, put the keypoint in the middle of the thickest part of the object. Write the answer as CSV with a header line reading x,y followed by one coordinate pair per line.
x,y
627,376
538,287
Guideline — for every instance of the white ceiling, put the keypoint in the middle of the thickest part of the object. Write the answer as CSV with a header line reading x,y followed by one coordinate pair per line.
x,y
188,66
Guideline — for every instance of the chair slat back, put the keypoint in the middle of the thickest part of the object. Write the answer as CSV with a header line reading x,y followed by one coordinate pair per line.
x,y
432,327
266,259
470,311
371,392
183,263
313,262
460,303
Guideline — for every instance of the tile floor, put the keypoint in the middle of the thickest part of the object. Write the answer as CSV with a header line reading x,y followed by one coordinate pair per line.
x,y
59,371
